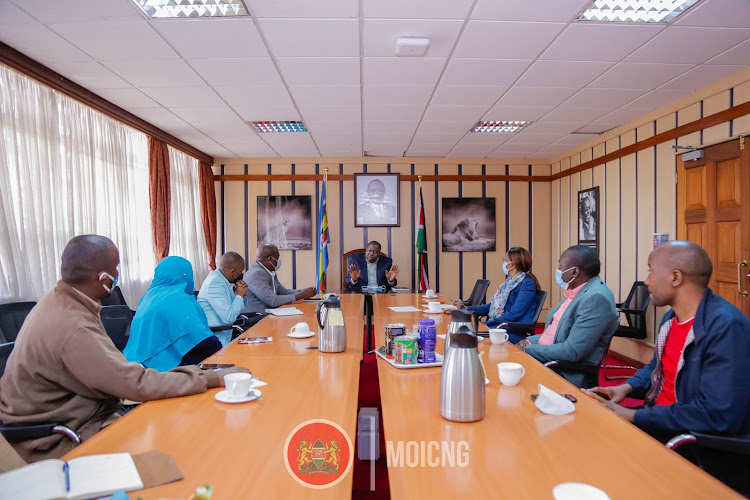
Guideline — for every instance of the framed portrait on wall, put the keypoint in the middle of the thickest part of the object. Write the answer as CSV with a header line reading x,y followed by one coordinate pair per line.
x,y
376,200
469,225
588,217
285,221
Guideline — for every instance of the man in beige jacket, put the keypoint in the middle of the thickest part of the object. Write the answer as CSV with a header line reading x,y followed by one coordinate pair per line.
x,y
65,369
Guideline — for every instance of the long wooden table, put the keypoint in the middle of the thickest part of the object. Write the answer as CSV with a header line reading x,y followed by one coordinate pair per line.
x,y
516,451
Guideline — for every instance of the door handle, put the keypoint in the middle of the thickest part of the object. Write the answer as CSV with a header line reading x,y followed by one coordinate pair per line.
x,y
739,278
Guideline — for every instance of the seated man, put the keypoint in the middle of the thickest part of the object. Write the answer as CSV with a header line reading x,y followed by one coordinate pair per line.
x,y
65,369
378,270
264,289
222,295
579,328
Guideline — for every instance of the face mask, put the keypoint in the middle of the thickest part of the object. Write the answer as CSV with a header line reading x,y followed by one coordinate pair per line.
x,y
559,279
505,268
235,280
278,263
114,282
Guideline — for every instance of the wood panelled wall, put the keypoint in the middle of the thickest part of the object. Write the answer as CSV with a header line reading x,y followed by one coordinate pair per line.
x,y
638,192
522,217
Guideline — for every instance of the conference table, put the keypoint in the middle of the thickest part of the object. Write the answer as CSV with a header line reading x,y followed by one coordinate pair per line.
x,y
515,451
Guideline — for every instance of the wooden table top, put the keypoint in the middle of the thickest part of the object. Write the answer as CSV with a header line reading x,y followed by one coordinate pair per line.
x,y
516,450
238,448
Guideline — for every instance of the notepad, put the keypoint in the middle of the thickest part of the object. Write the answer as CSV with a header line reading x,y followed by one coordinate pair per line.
x,y
404,309
285,311
255,340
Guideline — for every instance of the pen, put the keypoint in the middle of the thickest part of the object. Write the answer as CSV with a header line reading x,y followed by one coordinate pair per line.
x,y
66,470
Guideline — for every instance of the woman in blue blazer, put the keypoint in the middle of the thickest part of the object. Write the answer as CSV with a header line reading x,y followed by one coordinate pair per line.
x,y
515,299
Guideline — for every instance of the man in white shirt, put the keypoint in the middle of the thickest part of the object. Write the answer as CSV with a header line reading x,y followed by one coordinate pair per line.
x,y
222,295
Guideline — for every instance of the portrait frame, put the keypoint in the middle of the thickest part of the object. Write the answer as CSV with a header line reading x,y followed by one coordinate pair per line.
x,y
385,213
285,221
469,225
588,217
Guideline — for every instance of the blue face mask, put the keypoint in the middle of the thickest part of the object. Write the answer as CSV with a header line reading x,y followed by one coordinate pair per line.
x,y
505,268
558,277
278,263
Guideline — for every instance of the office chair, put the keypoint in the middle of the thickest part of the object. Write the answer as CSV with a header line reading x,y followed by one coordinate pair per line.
x,y
344,266
12,316
16,433
478,294
634,308
530,328
116,321
116,298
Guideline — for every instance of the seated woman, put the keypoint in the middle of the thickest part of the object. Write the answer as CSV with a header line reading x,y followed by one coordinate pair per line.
x,y
170,328
515,299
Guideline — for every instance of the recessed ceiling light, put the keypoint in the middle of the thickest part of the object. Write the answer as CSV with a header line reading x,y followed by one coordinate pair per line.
x,y
192,8
270,127
635,11
499,127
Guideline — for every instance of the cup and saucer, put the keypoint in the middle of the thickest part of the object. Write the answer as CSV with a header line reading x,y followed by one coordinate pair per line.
x,y
238,389
300,331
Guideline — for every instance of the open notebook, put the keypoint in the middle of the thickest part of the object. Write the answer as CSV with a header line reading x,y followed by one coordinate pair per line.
x,y
285,311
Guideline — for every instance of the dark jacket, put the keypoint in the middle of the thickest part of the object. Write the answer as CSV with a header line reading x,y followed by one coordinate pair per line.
x,y
713,387
519,308
384,263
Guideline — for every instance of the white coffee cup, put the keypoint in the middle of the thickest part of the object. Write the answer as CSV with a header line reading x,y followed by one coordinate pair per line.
x,y
434,307
498,335
300,329
578,491
510,373
429,293
238,384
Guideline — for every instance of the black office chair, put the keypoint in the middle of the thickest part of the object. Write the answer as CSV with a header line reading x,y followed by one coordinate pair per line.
x,y
116,298
634,308
116,321
530,328
12,316
16,433
478,294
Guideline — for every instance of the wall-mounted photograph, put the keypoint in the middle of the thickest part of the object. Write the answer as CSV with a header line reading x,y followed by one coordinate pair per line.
x,y
469,225
588,217
285,221
376,200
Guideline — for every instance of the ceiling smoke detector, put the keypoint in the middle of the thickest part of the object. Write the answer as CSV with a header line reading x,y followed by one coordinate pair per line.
x,y
407,46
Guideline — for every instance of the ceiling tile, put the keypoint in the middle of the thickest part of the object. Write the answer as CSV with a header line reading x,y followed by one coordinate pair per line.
x,y
437,139
215,150
482,138
624,115
345,95
128,98
40,43
442,127
292,144
237,71
598,127
89,74
678,44
402,70
330,113
380,35
574,139
515,113
386,151
255,95
348,130
390,128
468,114
11,14
197,115
319,70
245,150
179,127
720,13
267,112
576,115
739,54
472,150
629,75
416,9
483,71
154,73
81,10
157,116
183,97
207,38
303,8
506,40
416,95
542,10
311,38
117,41
613,41
393,112
540,140
540,96
603,98
547,127
563,73
701,76
467,95
428,152
371,145
657,98
234,131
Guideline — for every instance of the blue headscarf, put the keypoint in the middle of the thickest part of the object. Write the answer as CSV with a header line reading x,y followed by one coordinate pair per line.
x,y
169,321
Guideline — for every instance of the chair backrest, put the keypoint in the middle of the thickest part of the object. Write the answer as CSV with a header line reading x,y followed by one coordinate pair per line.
x,y
116,321
116,298
638,300
5,350
344,260
12,316
541,296
479,293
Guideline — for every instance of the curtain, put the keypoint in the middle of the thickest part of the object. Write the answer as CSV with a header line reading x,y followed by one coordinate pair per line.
x,y
187,238
208,210
159,194
66,170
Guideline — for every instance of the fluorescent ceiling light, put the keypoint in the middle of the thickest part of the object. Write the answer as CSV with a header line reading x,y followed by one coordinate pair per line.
x,y
635,11
269,127
192,8
499,127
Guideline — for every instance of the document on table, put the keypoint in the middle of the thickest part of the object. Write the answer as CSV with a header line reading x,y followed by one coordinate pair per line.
x,y
285,311
405,309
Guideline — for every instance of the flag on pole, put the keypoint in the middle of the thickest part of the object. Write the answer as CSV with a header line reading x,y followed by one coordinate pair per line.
x,y
421,246
323,239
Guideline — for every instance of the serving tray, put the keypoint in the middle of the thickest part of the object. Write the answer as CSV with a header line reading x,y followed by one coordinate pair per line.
x,y
380,351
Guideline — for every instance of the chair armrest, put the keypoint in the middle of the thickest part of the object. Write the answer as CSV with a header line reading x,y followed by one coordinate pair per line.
x,y
570,366
221,328
678,441
17,433
529,328
639,312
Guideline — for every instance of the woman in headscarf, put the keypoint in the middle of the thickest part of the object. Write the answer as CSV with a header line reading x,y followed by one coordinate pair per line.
x,y
170,328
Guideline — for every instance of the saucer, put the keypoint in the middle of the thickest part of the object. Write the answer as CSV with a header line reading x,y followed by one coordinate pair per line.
x,y
225,397
486,381
430,296
432,312
304,336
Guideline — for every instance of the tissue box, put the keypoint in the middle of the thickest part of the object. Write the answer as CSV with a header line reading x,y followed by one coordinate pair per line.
x,y
368,420
368,445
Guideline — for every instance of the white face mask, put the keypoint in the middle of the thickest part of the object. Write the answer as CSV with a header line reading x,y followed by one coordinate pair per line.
x,y
278,263
104,274
558,277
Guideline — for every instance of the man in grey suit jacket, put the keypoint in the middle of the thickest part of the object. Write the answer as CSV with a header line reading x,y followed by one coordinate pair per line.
x,y
579,328
264,289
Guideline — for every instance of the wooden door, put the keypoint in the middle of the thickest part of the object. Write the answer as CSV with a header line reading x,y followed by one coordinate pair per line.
x,y
713,210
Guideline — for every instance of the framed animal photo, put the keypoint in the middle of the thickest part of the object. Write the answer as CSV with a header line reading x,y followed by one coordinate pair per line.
x,y
376,199
469,225
285,221
588,217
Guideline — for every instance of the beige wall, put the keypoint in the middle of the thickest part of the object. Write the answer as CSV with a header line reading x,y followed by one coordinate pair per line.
x,y
451,273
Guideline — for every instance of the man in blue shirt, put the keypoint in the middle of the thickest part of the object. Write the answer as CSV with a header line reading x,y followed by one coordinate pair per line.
x,y
222,295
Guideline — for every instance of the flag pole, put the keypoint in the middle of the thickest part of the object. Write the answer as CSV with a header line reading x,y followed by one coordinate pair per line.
x,y
325,188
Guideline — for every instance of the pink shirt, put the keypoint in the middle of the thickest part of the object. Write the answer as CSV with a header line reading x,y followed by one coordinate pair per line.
x,y
548,337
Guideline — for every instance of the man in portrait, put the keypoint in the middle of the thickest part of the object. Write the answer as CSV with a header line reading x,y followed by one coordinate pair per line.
x,y
586,219
376,208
